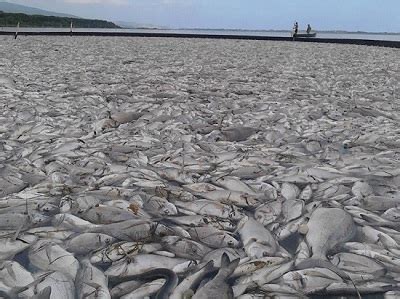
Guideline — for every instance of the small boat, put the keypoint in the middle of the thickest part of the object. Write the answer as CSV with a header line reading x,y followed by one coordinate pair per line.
x,y
302,35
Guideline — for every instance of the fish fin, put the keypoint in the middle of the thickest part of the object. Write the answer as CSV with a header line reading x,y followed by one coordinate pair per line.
x,y
225,261
47,249
10,271
44,294
14,293
209,266
319,263
227,267
18,231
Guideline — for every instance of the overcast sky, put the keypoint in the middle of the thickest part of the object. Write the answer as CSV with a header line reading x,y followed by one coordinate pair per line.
x,y
365,15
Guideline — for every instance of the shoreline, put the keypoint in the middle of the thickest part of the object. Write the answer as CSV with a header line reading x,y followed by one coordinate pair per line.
x,y
363,42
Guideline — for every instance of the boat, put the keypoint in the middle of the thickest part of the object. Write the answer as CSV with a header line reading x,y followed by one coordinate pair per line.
x,y
305,35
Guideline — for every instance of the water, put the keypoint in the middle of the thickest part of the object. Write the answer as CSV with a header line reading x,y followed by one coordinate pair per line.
x,y
369,36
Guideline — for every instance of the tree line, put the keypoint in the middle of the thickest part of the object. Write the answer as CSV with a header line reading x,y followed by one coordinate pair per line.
x,y
12,19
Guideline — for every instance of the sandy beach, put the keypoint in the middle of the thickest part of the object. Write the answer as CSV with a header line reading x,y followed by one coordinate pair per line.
x,y
97,131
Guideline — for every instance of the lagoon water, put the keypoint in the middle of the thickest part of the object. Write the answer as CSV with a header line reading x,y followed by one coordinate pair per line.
x,y
339,35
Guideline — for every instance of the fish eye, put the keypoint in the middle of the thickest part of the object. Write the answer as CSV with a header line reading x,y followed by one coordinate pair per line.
x,y
230,243
265,254
206,220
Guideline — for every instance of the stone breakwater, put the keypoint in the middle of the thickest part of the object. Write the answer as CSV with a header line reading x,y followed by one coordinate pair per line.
x,y
177,168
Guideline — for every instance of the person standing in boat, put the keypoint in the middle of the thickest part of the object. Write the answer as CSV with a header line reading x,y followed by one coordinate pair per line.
x,y
308,29
296,28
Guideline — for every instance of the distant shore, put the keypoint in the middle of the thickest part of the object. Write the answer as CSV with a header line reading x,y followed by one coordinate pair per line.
x,y
39,21
279,30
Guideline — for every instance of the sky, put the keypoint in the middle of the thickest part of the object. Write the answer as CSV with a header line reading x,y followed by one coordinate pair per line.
x,y
351,15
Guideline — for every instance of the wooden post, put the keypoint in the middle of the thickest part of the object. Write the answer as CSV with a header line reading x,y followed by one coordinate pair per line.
x,y
16,31
71,28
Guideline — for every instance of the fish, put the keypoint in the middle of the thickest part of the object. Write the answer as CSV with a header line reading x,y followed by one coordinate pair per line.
x,y
87,242
117,251
140,264
46,255
253,233
237,198
10,246
191,177
91,281
185,248
218,287
327,228
61,286
168,276
190,282
311,280
213,237
211,208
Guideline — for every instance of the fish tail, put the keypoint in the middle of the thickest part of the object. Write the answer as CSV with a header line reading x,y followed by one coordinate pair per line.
x,y
319,263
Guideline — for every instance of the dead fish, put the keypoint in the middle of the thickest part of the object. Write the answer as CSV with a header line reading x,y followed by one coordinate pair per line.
x,y
216,255
169,277
190,282
177,175
268,212
146,290
159,206
185,248
362,189
392,214
238,134
213,237
350,262
327,228
130,230
16,221
106,215
254,233
199,220
232,184
218,287
11,247
126,117
91,282
240,199
14,275
266,274
201,187
311,280
290,191
62,286
48,256
140,264
249,267
211,208
88,242
120,250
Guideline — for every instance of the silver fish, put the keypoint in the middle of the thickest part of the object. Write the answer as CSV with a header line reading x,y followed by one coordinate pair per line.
x,y
218,287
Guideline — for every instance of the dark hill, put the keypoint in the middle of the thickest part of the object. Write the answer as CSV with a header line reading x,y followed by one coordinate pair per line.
x,y
12,19
17,8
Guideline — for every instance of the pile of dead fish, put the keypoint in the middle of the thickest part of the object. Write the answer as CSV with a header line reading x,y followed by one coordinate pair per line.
x,y
156,168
